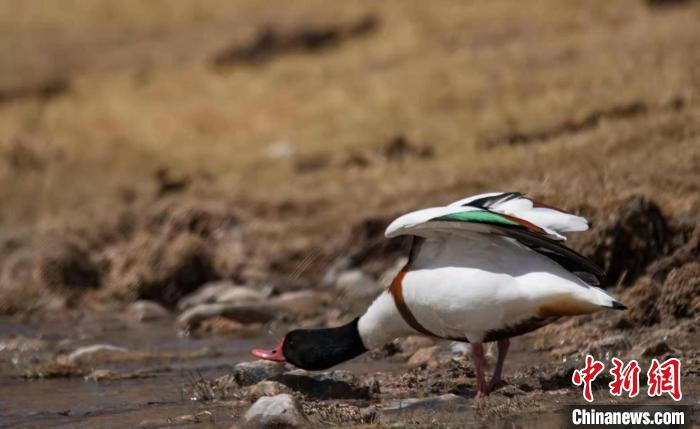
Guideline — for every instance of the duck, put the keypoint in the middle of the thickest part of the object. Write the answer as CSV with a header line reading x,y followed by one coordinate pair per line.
x,y
482,269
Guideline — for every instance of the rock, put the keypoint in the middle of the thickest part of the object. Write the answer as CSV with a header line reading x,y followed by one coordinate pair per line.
x,y
297,303
356,284
93,353
147,311
407,409
425,357
280,411
412,343
264,388
241,294
326,385
244,313
222,325
657,348
291,304
247,373
222,291
206,294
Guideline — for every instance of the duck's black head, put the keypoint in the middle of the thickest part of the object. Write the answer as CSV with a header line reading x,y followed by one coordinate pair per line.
x,y
316,349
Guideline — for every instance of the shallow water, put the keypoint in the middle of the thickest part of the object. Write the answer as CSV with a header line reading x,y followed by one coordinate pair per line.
x,y
75,402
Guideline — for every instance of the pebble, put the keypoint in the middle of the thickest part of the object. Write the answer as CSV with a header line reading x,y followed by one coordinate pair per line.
x,y
424,357
279,411
147,311
244,313
247,373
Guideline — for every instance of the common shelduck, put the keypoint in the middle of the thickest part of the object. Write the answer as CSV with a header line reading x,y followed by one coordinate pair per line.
x,y
484,268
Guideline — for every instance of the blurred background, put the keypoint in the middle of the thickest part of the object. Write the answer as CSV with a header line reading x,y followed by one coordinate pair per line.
x,y
151,151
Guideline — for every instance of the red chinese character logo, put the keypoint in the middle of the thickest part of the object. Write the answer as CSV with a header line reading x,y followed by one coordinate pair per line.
x,y
586,376
624,378
665,378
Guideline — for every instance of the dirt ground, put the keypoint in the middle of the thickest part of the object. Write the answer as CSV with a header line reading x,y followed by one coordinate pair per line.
x,y
150,148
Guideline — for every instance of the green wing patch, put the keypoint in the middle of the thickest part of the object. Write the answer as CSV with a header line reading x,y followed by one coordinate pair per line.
x,y
479,216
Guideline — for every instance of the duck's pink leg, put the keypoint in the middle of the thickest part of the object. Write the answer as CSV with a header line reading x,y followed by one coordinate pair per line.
x,y
482,389
502,351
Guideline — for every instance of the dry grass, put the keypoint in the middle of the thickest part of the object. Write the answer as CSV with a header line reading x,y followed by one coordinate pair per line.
x,y
459,76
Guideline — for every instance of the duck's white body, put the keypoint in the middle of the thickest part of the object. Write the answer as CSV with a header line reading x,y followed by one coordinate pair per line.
x,y
467,288
479,286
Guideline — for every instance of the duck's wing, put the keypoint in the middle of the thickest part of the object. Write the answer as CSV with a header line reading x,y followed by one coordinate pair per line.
x,y
508,214
553,220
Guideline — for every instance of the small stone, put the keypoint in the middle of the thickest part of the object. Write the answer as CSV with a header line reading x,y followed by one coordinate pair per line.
x,y
356,284
424,357
247,373
326,385
147,311
243,313
412,343
206,294
93,353
240,294
298,303
222,325
264,388
280,411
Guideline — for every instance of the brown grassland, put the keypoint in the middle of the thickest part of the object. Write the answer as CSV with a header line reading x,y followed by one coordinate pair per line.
x,y
606,91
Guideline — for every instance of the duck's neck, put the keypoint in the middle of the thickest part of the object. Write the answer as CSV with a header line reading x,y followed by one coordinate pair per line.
x,y
382,323
317,349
